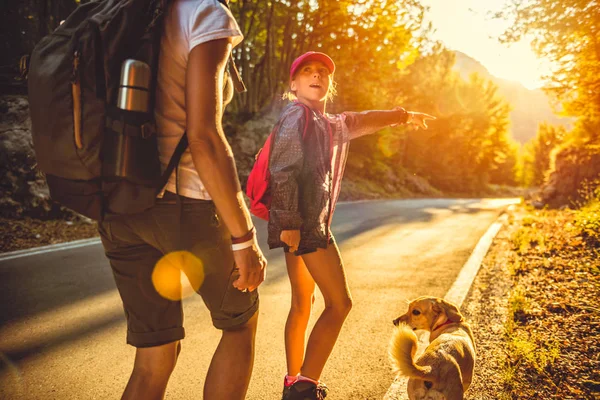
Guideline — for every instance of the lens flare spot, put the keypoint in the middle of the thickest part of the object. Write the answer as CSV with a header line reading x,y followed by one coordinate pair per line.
x,y
177,275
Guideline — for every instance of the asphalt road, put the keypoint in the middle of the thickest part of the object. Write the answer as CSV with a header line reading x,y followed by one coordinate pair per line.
x,y
62,329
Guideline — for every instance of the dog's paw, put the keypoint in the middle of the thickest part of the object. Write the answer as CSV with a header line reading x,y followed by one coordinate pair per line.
x,y
421,392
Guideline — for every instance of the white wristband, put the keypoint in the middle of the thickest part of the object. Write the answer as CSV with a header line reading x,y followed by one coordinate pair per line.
x,y
243,245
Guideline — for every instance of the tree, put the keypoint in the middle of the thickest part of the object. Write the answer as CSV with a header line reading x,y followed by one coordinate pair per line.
x,y
568,34
538,151
384,59
468,144
24,23
369,40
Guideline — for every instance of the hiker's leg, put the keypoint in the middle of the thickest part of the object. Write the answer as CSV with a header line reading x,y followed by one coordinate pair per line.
x,y
154,323
151,372
325,266
230,369
303,289
232,311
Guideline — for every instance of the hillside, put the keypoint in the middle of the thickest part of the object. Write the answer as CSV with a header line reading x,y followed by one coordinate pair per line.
x,y
530,107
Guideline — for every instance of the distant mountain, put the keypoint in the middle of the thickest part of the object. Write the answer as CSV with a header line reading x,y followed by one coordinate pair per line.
x,y
530,107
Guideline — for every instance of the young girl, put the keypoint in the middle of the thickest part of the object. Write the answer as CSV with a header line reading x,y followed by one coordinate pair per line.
x,y
307,162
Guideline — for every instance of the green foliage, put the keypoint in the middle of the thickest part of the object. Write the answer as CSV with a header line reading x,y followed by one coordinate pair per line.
x,y
518,303
468,146
537,154
384,58
565,33
536,351
526,238
587,218
370,41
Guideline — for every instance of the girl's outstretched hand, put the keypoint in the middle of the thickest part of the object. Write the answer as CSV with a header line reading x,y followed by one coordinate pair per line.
x,y
418,119
291,238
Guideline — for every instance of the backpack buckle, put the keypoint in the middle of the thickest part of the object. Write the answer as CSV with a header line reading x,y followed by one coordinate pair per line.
x,y
148,129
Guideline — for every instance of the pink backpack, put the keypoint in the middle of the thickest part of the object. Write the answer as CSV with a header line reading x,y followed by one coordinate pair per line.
x,y
258,187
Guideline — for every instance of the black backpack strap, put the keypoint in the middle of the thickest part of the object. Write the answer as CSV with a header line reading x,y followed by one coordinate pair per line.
x,y
156,24
175,158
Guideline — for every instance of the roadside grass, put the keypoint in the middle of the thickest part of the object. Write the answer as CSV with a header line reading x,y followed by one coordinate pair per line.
x,y
533,349
552,335
587,219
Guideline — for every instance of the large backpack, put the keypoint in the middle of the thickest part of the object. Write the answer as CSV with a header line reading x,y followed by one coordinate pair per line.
x,y
98,159
258,186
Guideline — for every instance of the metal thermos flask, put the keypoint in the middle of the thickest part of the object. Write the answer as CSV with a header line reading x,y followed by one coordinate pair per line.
x,y
129,146
134,87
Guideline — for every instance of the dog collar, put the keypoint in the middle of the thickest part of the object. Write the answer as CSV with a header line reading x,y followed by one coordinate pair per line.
x,y
448,322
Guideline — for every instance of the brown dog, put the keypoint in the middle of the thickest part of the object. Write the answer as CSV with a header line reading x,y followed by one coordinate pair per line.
x,y
445,369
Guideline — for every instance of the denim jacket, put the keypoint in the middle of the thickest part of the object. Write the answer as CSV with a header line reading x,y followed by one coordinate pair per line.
x,y
306,173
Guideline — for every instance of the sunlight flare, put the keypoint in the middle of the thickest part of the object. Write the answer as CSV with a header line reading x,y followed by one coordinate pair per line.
x,y
177,275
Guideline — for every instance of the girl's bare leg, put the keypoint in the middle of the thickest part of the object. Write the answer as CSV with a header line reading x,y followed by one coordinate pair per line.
x,y
325,266
303,289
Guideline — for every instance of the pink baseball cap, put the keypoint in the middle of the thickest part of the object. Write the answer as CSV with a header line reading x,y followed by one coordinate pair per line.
x,y
312,56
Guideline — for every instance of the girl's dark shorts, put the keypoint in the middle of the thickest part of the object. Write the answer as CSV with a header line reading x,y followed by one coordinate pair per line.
x,y
134,243
307,250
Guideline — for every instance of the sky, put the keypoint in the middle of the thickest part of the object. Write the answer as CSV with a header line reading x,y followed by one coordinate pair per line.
x,y
465,25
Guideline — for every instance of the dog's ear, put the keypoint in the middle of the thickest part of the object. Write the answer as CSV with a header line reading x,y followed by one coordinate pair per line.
x,y
449,309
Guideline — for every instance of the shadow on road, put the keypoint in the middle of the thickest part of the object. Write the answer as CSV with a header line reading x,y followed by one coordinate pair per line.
x,y
67,336
357,218
41,283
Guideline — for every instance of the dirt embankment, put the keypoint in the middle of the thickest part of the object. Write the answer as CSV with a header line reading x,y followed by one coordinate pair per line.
x,y
534,311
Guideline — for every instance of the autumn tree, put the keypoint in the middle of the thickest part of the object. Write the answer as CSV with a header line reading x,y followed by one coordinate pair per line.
x,y
24,22
369,41
384,58
468,146
568,34
538,151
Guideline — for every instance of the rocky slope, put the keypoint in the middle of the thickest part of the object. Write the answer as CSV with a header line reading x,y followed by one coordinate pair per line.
x,y
22,190
575,174
533,312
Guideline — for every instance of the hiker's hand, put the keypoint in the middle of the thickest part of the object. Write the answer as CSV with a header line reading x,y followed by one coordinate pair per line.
x,y
291,238
252,266
418,119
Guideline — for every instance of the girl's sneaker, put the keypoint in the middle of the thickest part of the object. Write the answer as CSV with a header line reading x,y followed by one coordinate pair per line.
x,y
304,390
288,381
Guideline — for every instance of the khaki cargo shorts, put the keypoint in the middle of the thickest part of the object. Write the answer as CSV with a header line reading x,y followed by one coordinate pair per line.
x,y
134,243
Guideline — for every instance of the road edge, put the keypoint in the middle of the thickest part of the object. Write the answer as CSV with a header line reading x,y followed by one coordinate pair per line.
x,y
459,289
11,255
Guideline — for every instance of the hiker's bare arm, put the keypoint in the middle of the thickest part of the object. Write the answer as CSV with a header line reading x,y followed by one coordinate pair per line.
x,y
212,154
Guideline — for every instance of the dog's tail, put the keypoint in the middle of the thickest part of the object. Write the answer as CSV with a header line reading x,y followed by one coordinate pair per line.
x,y
403,347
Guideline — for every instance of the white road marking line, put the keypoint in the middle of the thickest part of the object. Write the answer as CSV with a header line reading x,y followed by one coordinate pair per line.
x,y
464,280
48,249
